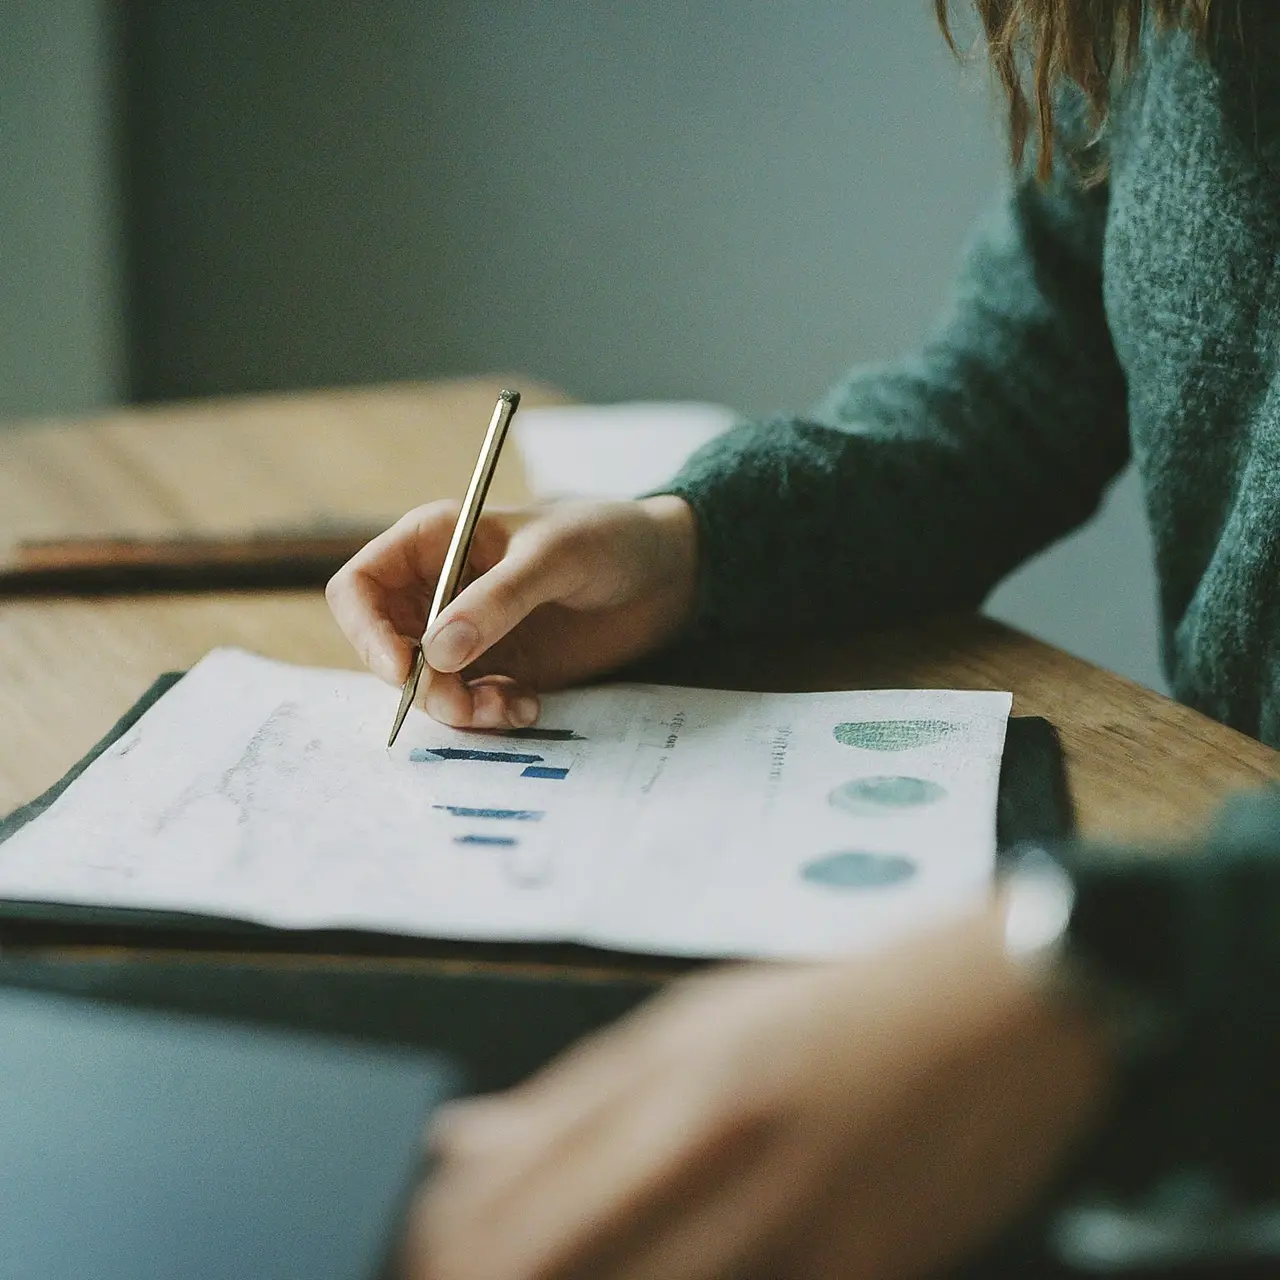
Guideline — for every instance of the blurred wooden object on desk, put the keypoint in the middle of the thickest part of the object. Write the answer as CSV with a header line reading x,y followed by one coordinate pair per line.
x,y
121,566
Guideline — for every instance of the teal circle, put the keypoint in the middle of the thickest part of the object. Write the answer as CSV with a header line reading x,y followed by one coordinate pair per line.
x,y
852,869
893,735
884,795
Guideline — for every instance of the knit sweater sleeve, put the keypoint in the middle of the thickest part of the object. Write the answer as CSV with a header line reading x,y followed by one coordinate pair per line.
x,y
915,487
1198,929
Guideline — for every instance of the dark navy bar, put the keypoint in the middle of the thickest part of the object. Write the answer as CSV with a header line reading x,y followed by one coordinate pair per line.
x,y
428,755
544,771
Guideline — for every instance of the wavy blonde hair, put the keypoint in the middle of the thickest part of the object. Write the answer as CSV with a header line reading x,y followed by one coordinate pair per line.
x,y
1034,45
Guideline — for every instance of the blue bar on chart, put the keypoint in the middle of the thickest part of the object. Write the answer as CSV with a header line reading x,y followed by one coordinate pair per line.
x,y
502,815
544,771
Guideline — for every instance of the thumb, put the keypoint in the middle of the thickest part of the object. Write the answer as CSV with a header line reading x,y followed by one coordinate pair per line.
x,y
498,601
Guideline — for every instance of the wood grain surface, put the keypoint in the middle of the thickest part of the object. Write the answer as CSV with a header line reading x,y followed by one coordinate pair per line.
x,y
263,463
1140,765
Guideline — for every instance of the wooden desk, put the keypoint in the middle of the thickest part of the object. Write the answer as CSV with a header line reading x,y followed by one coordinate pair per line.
x,y
1140,765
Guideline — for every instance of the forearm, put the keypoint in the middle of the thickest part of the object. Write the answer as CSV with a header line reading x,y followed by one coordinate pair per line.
x,y
916,487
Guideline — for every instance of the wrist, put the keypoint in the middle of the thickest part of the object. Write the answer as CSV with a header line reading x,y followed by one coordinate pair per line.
x,y
675,551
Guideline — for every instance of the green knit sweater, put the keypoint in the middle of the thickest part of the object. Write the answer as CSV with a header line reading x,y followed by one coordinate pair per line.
x,y
1137,318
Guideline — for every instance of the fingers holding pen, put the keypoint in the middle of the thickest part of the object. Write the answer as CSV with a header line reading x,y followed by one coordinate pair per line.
x,y
491,702
495,604
566,594
381,596
380,600
360,607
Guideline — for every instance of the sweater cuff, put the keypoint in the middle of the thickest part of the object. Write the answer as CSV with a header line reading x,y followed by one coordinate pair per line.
x,y
1197,929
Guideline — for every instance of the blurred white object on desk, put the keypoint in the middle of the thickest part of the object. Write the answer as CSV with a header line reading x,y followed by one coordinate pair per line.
x,y
613,450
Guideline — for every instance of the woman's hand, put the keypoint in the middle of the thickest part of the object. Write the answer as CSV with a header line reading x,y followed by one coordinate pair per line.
x,y
860,1119
571,594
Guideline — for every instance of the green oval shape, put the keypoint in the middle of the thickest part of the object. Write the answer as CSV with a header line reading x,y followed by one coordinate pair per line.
x,y
893,735
885,795
853,869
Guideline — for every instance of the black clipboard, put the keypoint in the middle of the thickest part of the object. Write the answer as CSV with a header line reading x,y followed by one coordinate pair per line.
x,y
499,1009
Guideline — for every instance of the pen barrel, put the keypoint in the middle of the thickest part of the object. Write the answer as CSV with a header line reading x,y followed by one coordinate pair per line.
x,y
455,560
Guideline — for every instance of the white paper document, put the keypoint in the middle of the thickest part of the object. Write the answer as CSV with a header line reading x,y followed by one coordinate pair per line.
x,y
612,450
640,817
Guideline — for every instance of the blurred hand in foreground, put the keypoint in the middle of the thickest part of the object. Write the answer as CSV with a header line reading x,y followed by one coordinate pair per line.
x,y
862,1119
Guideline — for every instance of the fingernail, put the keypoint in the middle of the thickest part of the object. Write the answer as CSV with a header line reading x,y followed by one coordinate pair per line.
x,y
451,647
524,711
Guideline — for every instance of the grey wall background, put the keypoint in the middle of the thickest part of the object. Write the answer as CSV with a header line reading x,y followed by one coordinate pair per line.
x,y
731,200
723,201
61,334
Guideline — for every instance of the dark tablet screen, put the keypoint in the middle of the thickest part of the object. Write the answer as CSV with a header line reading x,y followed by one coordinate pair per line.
x,y
137,1144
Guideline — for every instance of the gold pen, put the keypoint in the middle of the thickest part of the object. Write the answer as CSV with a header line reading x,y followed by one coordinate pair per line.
x,y
455,560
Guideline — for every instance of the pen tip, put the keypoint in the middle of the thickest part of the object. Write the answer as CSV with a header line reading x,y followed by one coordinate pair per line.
x,y
406,700
407,694
511,397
